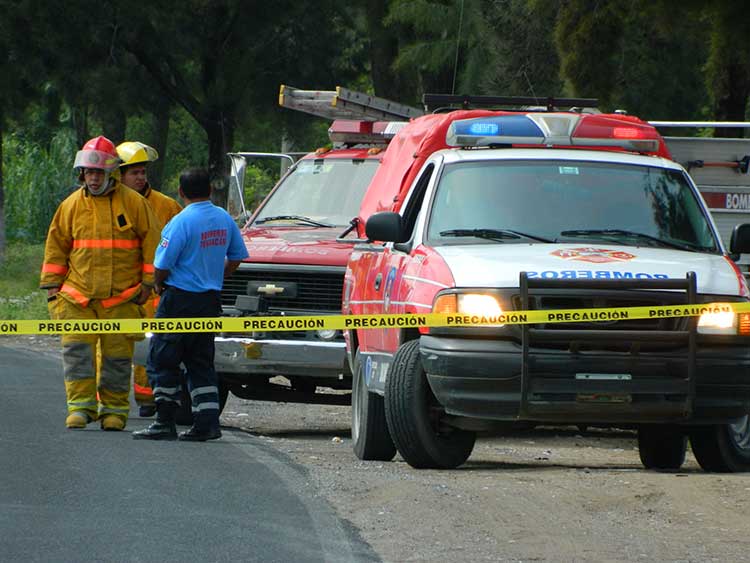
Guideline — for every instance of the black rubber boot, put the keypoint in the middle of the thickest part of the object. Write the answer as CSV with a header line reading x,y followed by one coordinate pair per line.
x,y
157,431
164,428
146,411
196,434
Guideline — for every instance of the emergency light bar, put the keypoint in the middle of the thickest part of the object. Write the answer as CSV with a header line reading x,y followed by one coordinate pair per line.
x,y
554,129
349,133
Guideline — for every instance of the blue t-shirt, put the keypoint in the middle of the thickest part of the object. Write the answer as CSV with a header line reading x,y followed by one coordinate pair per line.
x,y
194,245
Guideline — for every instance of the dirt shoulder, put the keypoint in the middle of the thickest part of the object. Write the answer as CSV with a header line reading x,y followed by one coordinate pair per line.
x,y
550,494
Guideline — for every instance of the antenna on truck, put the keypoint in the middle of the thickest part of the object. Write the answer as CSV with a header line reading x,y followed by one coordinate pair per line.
x,y
343,103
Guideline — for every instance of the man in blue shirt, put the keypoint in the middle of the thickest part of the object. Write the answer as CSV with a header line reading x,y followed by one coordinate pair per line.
x,y
199,247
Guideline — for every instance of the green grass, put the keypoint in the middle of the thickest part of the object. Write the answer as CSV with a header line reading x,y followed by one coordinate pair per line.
x,y
20,297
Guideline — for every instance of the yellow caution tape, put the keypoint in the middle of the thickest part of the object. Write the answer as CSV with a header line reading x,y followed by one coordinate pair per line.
x,y
349,322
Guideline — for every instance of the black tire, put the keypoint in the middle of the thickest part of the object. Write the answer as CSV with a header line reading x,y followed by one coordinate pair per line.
x,y
662,447
723,448
370,437
413,416
184,414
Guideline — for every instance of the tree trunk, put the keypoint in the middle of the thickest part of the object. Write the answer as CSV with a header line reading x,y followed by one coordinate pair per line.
x,y
81,124
115,124
220,131
2,196
383,51
161,116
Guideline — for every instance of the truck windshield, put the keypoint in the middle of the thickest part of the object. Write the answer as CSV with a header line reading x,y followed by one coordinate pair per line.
x,y
326,191
569,201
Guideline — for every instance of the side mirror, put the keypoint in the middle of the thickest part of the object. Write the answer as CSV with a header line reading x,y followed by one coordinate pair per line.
x,y
739,243
386,226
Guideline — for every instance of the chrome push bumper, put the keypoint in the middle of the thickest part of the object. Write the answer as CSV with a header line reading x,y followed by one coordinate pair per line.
x,y
250,356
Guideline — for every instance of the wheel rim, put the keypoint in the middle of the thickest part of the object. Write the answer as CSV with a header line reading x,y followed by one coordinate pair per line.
x,y
739,431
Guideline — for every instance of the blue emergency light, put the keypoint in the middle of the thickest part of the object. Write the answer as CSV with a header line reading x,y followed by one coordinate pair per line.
x,y
484,131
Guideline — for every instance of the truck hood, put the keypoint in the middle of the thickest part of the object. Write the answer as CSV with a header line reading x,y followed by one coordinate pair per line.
x,y
296,245
499,265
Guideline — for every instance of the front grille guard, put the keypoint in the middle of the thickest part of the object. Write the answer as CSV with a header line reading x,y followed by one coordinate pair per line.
x,y
531,335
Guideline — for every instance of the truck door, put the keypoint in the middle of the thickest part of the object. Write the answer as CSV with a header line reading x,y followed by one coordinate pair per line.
x,y
393,288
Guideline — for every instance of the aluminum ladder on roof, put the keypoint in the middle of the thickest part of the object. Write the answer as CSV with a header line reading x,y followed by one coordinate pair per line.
x,y
343,103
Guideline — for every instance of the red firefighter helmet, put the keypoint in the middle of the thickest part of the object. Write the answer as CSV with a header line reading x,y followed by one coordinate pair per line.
x,y
99,153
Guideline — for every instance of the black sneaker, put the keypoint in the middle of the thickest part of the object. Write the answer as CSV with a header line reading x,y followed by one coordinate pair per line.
x,y
157,431
146,411
200,435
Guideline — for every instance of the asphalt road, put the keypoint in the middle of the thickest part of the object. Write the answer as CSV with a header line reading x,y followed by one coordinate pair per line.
x,y
90,495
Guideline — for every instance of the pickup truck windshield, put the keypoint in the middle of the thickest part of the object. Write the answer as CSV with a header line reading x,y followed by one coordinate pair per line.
x,y
326,191
569,201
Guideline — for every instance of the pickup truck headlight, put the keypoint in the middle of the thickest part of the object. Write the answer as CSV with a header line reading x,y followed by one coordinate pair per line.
x,y
717,323
724,323
479,304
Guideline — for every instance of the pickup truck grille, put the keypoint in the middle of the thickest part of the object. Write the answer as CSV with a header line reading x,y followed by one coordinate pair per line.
x,y
317,290
551,302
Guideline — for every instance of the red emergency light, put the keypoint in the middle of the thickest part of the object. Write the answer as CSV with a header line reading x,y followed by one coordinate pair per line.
x,y
349,133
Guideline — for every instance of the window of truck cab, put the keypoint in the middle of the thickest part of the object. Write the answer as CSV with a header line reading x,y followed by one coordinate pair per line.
x,y
326,190
545,198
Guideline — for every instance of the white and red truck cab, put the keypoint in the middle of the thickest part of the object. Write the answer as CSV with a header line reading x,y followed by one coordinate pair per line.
x,y
485,213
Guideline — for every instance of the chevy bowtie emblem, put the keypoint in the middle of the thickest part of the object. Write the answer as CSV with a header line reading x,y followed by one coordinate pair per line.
x,y
270,289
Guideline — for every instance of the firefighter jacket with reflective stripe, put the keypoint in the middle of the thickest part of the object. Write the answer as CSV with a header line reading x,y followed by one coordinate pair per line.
x,y
164,206
101,247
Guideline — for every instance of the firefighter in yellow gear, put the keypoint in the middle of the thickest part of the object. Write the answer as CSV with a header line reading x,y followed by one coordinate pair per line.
x,y
135,157
98,264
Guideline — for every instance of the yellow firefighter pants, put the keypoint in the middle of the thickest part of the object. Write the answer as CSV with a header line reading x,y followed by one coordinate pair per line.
x,y
142,391
85,378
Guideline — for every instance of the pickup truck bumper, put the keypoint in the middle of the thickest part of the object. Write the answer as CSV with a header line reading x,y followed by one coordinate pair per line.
x,y
249,356
482,379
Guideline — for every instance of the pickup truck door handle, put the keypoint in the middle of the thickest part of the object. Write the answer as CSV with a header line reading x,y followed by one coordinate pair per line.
x,y
378,281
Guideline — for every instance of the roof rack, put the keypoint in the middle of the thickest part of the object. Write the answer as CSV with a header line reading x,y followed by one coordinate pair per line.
x,y
442,101
343,103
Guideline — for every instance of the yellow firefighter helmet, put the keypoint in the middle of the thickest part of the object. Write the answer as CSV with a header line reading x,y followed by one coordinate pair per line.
x,y
133,152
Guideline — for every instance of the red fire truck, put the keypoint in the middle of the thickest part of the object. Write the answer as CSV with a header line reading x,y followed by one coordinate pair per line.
x,y
299,240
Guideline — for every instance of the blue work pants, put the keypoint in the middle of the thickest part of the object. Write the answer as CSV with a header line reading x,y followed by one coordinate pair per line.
x,y
193,350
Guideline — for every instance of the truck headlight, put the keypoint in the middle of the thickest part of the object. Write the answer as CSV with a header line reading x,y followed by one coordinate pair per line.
x,y
327,334
718,323
475,304
478,304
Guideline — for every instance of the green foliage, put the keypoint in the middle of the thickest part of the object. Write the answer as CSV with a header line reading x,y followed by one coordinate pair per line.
x,y
521,56
37,179
20,297
259,181
634,56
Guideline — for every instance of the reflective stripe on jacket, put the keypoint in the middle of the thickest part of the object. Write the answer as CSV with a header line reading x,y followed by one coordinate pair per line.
x,y
101,247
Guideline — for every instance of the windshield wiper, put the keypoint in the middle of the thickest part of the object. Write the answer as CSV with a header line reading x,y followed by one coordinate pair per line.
x,y
298,218
632,234
491,234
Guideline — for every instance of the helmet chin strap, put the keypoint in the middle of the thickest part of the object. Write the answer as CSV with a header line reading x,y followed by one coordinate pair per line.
x,y
106,186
